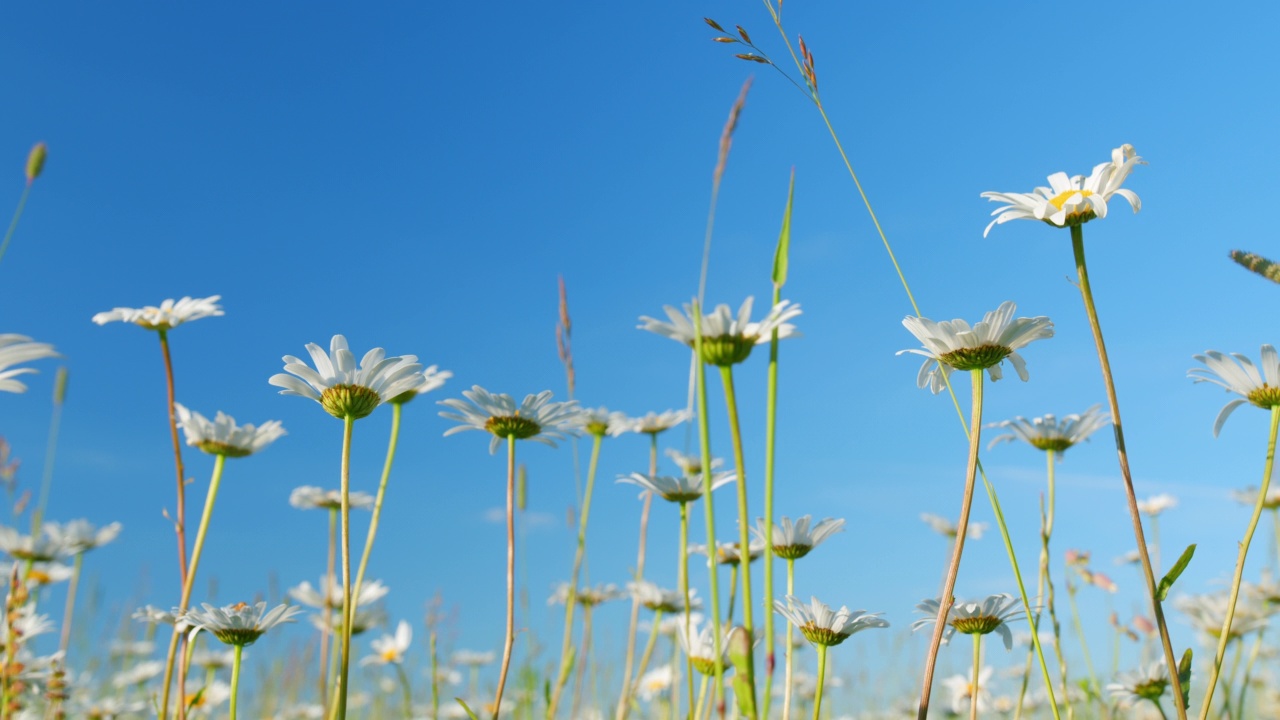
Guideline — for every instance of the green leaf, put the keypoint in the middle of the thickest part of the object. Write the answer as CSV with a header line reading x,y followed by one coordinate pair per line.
x,y
1184,676
546,692
784,238
1170,577
470,713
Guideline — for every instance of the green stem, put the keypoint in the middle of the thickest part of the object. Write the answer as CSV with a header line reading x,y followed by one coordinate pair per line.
x,y
770,439
1232,713
733,588
648,649
962,529
822,674
977,665
624,702
1086,292
1046,578
684,590
17,214
51,451
348,601
1084,643
744,522
786,679
65,641
327,611
1248,669
704,441
583,652
190,574
702,695
435,677
235,679
511,575
407,694
377,505
1225,635
566,662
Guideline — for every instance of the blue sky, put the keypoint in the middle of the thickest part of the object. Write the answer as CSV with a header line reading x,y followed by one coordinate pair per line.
x,y
416,176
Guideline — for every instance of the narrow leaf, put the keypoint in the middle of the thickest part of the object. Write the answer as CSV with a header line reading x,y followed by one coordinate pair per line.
x,y
470,713
713,24
1184,677
784,238
1170,577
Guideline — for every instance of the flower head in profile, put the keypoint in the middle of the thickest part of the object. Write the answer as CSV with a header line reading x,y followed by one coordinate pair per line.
x,y
433,379
16,349
953,345
961,690
655,683
390,649
1249,496
691,465
950,530
730,553
655,423
683,489
1258,386
1208,613
79,536
1048,433
240,624
794,539
1155,505
223,436
342,388
370,592
310,497
699,643
169,315
599,422
537,418
1147,683
727,339
1070,201
36,548
821,625
587,596
659,599
974,618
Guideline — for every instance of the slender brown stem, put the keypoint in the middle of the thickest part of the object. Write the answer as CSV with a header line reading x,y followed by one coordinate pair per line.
x,y
511,574
180,514
1086,292
962,528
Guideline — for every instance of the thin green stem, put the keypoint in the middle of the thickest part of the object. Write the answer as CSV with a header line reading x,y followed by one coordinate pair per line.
x,y
977,666
1096,690
770,443
65,641
189,583
1248,669
648,649
327,610
733,589
704,441
511,574
377,504
51,452
822,675
744,524
566,646
962,529
17,215
1232,713
1046,578
684,590
702,696
348,601
1234,596
406,692
435,676
583,652
624,702
235,679
786,679
1086,292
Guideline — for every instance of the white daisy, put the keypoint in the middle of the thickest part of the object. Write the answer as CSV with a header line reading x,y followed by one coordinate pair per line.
x,y
974,618
1146,683
1049,433
130,648
240,624
961,689
16,349
390,649
1208,613
201,698
79,536
699,644
587,596
41,573
169,315
433,379
822,626
138,674
1157,504
952,344
726,339
370,592
729,553
1258,386
600,422
342,388
948,529
309,497
1249,496
366,618
654,423
691,464
658,599
678,489
40,548
794,540
537,418
223,436
1071,200
655,683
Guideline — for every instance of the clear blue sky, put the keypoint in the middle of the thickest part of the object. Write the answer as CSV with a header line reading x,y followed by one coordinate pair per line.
x,y
416,176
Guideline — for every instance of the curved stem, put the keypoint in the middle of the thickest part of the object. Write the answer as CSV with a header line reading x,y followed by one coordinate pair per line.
x,y
377,503
1086,292
624,701
235,679
962,529
566,644
1225,636
822,674
744,526
348,602
977,666
511,574
180,513
704,442
786,678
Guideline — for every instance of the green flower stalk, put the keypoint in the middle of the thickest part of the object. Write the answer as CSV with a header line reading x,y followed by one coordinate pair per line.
x,y
35,165
823,628
46,481
238,625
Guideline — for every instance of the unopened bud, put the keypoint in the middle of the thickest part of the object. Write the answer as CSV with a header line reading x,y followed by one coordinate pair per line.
x,y
60,387
35,161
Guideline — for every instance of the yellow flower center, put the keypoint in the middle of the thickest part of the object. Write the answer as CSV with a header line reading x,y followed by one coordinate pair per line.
x,y
1061,198
390,656
1075,217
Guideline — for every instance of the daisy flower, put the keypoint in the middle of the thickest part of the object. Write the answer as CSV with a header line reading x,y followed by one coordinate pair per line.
x,y
1259,386
213,659
340,387
962,690
1249,496
433,379
729,553
587,596
366,618
1147,683
821,626
952,344
16,349
370,592
974,618
794,540
655,423
1047,432
599,422
948,529
223,436
169,315
1207,613
691,464
1157,504
537,418
240,624
79,536
699,644
726,339
678,489
138,674
309,497
390,649
660,600
39,548
1072,200
655,683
